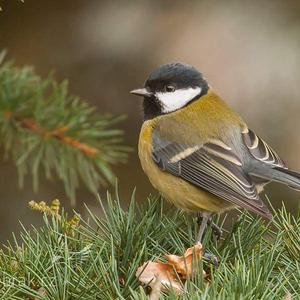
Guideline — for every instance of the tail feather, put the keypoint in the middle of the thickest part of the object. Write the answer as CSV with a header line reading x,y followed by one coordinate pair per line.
x,y
279,174
291,178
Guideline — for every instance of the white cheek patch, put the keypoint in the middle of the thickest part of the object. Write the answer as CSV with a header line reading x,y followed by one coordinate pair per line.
x,y
172,101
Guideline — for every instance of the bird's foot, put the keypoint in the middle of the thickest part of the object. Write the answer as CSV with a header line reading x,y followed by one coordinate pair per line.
x,y
216,229
211,259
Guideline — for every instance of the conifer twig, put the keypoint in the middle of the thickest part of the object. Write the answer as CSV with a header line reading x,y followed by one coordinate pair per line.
x,y
57,133
46,130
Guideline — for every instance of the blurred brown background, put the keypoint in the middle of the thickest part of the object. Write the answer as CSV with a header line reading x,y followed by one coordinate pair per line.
x,y
248,50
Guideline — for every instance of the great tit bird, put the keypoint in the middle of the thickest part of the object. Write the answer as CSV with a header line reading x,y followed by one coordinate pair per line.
x,y
198,152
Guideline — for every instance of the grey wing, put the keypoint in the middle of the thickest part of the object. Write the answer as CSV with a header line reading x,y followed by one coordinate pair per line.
x,y
213,167
260,150
266,165
263,158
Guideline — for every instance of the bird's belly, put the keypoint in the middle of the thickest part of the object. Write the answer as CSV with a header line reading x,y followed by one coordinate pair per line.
x,y
178,191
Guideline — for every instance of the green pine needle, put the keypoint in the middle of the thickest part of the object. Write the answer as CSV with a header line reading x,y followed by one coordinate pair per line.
x,y
100,258
47,131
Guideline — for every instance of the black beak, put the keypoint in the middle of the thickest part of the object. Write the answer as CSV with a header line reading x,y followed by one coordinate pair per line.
x,y
141,92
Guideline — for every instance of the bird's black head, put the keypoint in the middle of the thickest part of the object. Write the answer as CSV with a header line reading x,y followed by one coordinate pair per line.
x,y
171,87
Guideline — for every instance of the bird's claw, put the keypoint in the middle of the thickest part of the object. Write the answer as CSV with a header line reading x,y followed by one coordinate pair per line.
x,y
216,230
211,258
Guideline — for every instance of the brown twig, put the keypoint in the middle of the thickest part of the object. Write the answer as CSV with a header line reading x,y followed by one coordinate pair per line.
x,y
87,149
57,133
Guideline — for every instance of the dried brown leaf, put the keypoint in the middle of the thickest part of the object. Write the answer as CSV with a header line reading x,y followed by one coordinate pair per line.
x,y
187,264
151,272
161,276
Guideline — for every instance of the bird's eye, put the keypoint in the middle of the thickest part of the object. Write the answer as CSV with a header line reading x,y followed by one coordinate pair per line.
x,y
169,88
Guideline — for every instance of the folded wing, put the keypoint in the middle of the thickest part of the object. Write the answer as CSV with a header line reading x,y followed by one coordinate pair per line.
x,y
213,167
260,150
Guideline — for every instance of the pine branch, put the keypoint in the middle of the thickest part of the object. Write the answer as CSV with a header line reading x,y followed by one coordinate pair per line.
x,y
98,259
46,130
